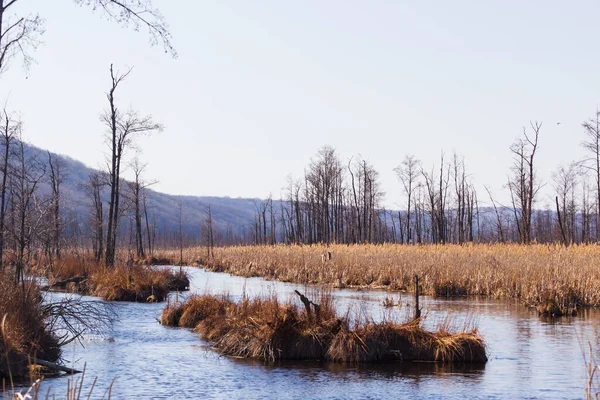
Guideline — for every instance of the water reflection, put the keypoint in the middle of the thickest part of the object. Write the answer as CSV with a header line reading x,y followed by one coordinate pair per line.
x,y
529,356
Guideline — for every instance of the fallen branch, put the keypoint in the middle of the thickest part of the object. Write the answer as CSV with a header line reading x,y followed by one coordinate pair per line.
x,y
63,284
55,367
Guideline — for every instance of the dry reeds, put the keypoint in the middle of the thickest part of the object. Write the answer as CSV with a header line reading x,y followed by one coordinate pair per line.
x,y
23,331
124,282
136,283
535,274
265,328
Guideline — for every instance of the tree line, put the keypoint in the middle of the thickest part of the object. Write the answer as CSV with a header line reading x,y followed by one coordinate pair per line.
x,y
340,201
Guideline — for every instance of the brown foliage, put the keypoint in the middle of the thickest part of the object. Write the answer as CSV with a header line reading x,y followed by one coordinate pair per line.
x,y
135,283
23,332
266,329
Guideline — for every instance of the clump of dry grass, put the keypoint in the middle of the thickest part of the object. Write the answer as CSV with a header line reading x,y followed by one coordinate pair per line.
x,y
194,310
23,332
124,282
135,283
265,328
535,274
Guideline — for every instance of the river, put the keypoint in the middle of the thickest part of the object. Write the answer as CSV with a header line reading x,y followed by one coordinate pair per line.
x,y
529,357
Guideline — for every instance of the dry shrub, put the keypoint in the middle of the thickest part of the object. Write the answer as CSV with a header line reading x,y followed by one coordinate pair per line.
x,y
23,332
179,281
265,328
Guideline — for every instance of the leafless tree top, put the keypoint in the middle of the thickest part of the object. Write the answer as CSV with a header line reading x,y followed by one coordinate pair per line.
x,y
140,14
20,34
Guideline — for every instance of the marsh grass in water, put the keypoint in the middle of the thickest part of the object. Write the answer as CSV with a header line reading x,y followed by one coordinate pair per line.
x,y
267,329
133,282
558,279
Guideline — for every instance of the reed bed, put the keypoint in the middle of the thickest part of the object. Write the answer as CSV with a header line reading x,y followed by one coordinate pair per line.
x,y
136,283
554,278
132,282
267,329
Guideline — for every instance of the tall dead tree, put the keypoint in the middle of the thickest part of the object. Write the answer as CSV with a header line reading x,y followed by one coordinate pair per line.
x,y
523,183
323,184
565,183
136,198
209,238
149,235
592,145
94,187
408,173
27,174
9,129
56,179
123,128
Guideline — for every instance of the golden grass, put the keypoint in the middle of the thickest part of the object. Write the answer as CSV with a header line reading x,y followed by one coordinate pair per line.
x,y
266,329
536,274
23,331
133,282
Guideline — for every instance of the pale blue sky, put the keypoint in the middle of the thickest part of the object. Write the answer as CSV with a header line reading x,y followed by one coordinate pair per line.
x,y
258,87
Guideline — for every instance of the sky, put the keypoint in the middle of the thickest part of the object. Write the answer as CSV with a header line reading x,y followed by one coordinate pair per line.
x,y
258,87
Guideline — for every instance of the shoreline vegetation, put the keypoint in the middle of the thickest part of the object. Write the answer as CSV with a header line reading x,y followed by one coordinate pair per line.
x,y
24,334
137,282
554,279
32,331
270,330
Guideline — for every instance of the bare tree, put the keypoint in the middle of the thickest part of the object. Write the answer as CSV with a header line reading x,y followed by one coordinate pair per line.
x,y
499,227
123,128
523,183
592,145
28,211
94,186
56,179
408,173
20,34
209,238
565,182
9,129
136,191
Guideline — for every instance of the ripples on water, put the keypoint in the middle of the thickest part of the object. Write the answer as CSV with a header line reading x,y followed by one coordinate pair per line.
x,y
529,357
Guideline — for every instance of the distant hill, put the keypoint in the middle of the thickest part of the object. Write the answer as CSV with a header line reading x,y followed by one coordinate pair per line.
x,y
235,214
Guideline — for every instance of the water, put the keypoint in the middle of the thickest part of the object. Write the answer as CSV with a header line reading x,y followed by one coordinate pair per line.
x,y
529,357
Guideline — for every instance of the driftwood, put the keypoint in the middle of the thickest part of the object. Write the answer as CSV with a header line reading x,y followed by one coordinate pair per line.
x,y
54,366
307,303
63,284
